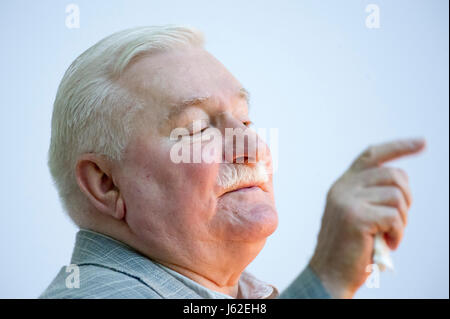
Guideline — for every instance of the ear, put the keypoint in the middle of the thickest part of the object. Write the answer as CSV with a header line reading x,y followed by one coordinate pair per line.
x,y
93,175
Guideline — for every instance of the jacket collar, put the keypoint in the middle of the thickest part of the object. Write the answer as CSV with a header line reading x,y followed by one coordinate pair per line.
x,y
92,248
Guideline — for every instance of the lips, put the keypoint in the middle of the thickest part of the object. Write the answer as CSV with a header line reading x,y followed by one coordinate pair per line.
x,y
244,188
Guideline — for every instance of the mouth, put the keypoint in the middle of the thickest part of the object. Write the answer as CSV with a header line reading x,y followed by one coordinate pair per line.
x,y
245,188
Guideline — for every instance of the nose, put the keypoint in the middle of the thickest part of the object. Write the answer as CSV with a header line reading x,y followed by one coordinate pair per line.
x,y
241,144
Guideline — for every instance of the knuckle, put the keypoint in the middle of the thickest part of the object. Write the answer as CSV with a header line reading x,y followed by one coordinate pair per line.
x,y
399,176
397,194
391,173
368,152
398,200
402,173
396,175
384,172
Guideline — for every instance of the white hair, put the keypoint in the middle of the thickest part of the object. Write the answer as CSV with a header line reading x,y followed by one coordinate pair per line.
x,y
92,113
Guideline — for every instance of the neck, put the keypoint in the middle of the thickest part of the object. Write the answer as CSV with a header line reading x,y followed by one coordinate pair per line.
x,y
229,288
216,268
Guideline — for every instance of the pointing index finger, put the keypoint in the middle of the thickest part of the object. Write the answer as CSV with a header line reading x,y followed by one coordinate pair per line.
x,y
381,153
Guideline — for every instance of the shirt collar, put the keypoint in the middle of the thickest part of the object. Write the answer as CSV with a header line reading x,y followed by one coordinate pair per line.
x,y
249,287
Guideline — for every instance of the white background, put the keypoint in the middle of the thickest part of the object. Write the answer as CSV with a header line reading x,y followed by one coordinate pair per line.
x,y
329,84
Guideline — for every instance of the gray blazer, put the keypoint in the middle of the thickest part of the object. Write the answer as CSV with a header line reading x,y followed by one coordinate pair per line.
x,y
107,268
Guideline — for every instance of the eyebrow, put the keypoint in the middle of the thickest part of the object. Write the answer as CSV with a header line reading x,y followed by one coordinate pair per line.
x,y
197,100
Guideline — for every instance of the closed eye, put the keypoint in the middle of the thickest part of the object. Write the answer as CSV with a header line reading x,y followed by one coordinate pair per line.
x,y
198,126
201,131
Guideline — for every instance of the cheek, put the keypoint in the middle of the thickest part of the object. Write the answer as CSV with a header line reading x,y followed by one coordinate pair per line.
x,y
170,197
193,192
191,184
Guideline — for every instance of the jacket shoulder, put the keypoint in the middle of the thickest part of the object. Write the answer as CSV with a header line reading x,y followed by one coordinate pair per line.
x,y
96,282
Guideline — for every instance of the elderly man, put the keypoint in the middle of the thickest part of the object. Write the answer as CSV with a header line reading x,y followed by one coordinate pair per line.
x,y
152,226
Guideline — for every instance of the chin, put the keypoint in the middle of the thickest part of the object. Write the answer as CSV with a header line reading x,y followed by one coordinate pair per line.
x,y
264,221
249,224
246,215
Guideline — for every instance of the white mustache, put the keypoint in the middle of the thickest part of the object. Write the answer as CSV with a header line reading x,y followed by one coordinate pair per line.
x,y
232,176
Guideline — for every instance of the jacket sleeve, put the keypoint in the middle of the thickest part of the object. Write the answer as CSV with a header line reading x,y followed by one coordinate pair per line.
x,y
306,286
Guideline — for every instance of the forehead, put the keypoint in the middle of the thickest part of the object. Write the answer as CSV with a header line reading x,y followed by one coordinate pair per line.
x,y
171,78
